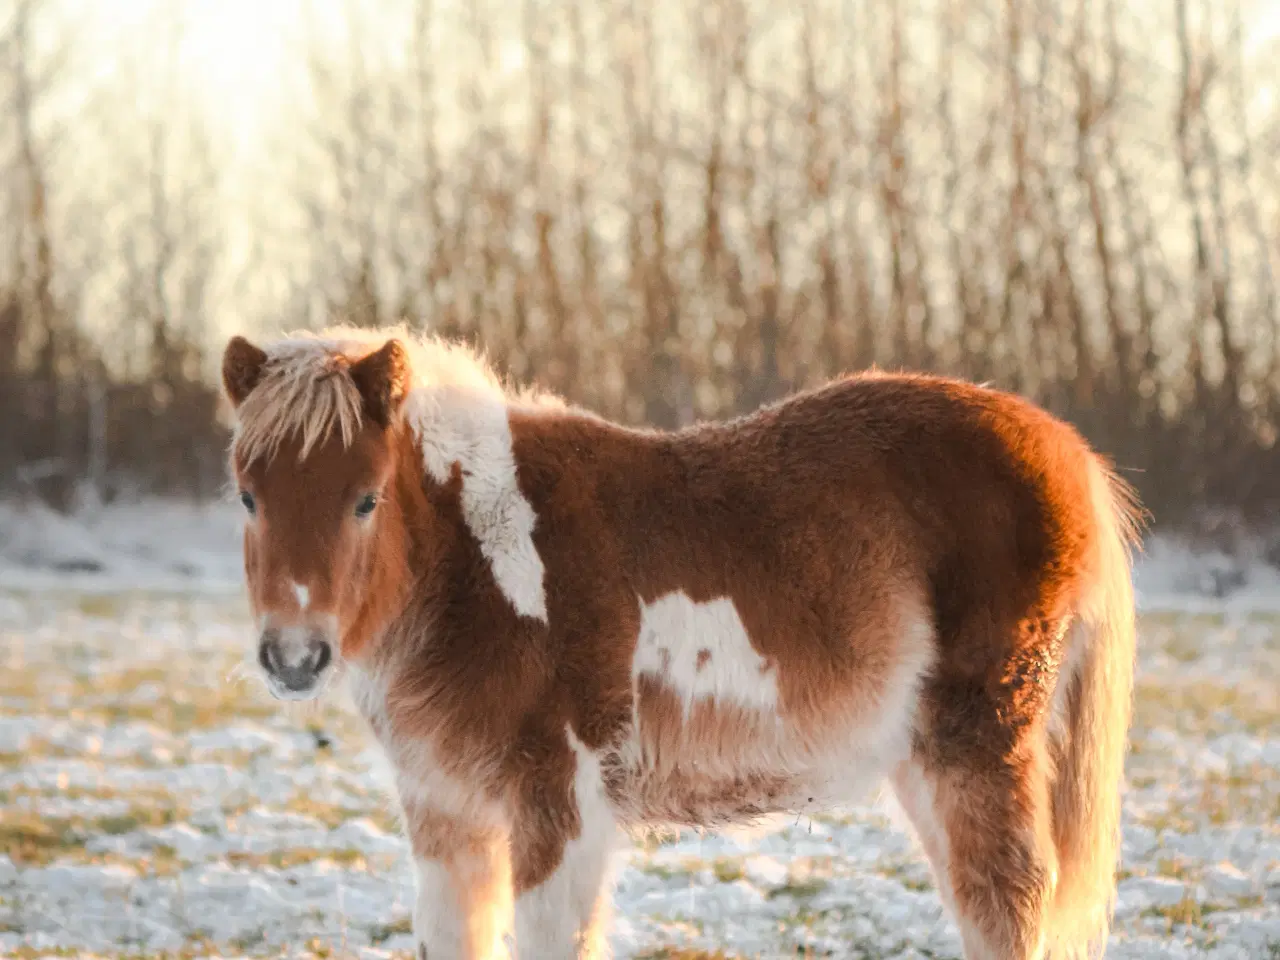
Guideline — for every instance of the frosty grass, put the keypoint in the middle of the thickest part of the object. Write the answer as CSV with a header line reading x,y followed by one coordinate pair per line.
x,y
154,801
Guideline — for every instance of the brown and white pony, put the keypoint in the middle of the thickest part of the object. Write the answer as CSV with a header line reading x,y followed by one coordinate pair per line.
x,y
558,627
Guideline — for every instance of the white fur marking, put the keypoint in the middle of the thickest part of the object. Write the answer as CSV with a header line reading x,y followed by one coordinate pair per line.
x,y
860,741
674,633
303,594
554,919
368,693
917,794
470,428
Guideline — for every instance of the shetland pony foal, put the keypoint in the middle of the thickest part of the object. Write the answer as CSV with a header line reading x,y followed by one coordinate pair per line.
x,y
558,627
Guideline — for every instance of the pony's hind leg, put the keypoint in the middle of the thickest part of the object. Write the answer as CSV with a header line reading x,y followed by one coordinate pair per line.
x,y
985,829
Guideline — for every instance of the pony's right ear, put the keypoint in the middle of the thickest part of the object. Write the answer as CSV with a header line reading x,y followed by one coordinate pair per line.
x,y
383,381
242,365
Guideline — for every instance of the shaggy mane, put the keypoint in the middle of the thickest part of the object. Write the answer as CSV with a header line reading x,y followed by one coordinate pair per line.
x,y
306,390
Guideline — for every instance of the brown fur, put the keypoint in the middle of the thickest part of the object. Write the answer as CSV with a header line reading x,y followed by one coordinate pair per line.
x,y
833,521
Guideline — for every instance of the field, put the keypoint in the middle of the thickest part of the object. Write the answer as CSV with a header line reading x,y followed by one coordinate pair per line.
x,y
154,801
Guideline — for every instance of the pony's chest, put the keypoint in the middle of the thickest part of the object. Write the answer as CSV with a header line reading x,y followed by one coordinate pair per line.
x,y
408,756
421,777
368,691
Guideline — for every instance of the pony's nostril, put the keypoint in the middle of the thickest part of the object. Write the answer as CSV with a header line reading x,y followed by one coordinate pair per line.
x,y
269,656
321,654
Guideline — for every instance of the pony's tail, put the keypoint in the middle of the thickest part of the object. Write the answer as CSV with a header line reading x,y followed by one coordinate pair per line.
x,y
1093,708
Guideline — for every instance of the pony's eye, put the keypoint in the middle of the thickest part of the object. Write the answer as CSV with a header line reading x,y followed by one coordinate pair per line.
x,y
366,505
247,499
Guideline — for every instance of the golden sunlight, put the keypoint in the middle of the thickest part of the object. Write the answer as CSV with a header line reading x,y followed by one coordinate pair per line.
x,y
233,54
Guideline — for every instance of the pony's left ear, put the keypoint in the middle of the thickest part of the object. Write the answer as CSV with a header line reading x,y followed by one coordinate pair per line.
x,y
242,364
383,381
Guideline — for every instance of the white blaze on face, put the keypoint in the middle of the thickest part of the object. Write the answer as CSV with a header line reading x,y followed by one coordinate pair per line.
x,y
303,595
702,651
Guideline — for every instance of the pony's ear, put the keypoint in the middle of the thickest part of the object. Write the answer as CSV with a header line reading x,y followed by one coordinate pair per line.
x,y
383,381
242,364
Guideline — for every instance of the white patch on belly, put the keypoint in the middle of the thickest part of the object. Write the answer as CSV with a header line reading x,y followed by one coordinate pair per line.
x,y
702,650
857,737
303,594
470,428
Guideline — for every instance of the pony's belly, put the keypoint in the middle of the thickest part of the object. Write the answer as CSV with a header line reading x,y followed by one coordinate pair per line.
x,y
720,733
713,761
691,794
685,796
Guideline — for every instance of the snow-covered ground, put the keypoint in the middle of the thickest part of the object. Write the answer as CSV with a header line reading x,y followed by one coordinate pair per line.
x,y
155,801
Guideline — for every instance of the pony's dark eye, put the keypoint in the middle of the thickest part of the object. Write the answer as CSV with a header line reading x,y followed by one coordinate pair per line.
x,y
366,505
247,499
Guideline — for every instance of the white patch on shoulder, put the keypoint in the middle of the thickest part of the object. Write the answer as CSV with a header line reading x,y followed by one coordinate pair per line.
x,y
469,427
303,596
566,915
702,650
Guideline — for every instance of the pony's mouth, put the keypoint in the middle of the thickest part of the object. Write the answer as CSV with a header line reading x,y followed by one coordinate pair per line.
x,y
297,689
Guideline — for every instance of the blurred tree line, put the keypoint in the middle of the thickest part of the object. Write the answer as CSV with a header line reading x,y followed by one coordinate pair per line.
x,y
105,259
678,209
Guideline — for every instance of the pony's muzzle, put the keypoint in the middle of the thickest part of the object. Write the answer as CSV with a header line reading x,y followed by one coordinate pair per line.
x,y
294,660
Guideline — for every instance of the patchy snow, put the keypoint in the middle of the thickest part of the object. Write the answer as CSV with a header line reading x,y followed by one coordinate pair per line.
x,y
153,798
148,544
1172,575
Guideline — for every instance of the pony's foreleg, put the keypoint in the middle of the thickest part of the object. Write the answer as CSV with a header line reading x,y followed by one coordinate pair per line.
x,y
561,850
462,880
565,916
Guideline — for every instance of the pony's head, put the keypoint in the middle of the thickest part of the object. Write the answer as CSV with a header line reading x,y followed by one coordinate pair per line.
x,y
314,458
